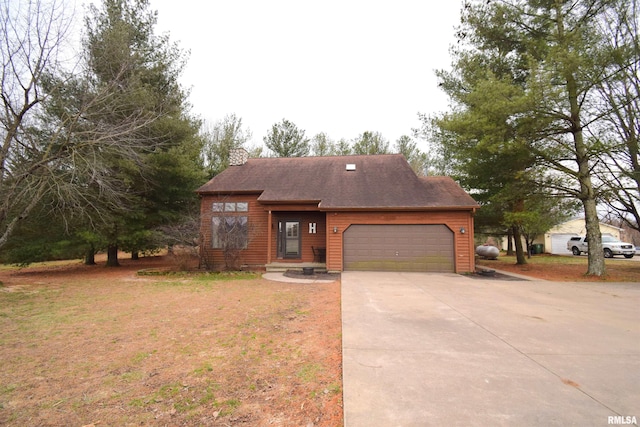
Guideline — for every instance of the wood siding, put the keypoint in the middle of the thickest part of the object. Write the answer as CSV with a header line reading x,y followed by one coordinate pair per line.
x,y
307,240
454,220
259,247
256,253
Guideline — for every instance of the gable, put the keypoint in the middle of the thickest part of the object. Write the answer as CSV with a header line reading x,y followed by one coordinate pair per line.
x,y
577,226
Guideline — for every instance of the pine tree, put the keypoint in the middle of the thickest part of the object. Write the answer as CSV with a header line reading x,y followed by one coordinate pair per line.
x,y
141,71
285,139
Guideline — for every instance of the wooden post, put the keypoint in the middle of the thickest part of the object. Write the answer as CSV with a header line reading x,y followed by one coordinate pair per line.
x,y
269,237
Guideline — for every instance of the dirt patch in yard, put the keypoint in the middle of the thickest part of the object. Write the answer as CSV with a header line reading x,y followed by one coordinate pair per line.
x,y
85,345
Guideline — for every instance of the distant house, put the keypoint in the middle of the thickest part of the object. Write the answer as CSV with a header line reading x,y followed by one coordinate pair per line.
x,y
555,240
337,213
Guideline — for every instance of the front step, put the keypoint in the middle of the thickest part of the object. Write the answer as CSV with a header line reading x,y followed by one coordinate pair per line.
x,y
281,267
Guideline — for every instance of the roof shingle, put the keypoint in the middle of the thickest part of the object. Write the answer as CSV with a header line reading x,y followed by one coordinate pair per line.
x,y
378,182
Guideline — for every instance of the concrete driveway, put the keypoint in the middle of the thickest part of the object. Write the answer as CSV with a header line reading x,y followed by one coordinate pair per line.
x,y
448,350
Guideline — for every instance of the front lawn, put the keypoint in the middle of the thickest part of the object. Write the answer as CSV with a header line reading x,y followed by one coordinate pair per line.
x,y
92,345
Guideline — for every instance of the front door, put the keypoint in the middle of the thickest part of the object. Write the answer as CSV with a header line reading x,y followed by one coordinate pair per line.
x,y
288,239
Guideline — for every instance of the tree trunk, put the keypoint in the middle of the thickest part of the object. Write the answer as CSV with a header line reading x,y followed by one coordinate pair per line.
x,y
595,252
588,197
90,256
520,258
587,193
135,255
509,243
112,255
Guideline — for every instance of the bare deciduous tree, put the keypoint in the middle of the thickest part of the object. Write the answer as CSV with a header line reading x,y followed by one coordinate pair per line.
x,y
31,35
57,146
225,135
619,167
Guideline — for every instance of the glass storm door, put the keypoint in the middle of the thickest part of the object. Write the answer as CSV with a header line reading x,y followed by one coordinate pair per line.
x,y
289,239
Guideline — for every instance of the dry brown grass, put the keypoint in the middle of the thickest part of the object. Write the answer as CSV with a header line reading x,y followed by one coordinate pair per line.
x,y
89,345
567,268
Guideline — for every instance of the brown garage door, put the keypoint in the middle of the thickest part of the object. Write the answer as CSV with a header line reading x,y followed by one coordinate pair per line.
x,y
399,248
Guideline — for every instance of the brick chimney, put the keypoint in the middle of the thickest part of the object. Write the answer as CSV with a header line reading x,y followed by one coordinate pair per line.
x,y
238,157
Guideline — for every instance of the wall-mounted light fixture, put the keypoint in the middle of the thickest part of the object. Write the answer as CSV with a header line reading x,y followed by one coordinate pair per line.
x,y
335,229
462,230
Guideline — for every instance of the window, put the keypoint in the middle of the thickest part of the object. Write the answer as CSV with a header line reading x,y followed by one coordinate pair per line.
x,y
230,232
229,229
230,207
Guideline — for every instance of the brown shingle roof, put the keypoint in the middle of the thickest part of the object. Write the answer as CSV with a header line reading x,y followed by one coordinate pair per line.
x,y
379,182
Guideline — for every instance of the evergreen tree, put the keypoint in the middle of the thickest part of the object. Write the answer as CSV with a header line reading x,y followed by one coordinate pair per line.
x,y
418,160
141,71
285,139
343,148
322,145
527,71
370,143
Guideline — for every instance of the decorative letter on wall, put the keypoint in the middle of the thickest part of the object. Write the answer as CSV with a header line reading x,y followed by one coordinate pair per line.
x,y
312,228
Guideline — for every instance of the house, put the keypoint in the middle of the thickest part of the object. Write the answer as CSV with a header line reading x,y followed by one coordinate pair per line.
x,y
555,240
337,213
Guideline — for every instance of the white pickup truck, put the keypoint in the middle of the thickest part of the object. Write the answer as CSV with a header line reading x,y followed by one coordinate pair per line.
x,y
611,246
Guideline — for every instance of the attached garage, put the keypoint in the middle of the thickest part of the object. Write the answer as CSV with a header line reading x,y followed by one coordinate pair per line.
x,y
399,247
559,243
364,212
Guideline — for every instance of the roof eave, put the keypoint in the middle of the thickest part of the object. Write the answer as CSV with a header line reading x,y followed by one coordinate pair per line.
x,y
227,192
288,202
399,208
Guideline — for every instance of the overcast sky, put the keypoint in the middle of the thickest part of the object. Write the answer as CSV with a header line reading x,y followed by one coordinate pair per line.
x,y
336,66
